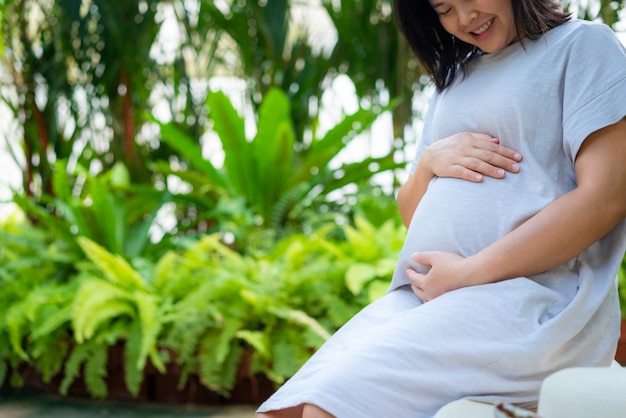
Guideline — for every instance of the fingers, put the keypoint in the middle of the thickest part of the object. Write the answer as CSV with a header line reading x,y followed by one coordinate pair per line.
x,y
424,258
489,164
415,279
419,292
471,156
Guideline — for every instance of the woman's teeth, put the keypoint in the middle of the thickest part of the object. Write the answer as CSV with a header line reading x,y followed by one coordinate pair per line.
x,y
483,28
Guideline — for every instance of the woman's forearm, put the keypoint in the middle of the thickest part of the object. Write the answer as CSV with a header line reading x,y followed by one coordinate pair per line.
x,y
411,193
571,223
552,237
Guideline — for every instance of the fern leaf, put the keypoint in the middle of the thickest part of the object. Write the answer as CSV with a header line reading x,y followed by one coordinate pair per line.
x,y
257,340
49,353
162,275
176,276
216,347
230,367
150,327
284,355
92,298
108,310
133,375
53,322
226,336
301,318
113,267
79,354
16,328
96,371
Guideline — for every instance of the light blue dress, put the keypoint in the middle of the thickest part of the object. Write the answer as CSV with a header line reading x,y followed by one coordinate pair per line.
x,y
495,342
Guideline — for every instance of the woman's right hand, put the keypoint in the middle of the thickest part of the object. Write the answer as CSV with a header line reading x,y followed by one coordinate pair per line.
x,y
470,156
466,155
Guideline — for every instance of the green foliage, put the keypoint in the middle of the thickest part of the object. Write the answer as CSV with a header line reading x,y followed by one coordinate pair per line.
x,y
608,10
82,276
366,29
271,52
201,305
76,84
105,208
269,174
34,299
93,358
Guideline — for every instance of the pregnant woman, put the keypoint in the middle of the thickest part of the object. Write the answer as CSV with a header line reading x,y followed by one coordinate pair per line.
x,y
515,210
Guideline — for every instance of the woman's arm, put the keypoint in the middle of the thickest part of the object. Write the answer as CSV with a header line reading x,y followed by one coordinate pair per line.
x,y
554,235
466,155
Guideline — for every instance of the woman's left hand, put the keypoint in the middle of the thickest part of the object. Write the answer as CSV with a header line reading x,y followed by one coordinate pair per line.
x,y
447,272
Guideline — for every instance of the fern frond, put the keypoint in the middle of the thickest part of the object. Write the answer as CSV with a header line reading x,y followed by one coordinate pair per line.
x,y
96,371
150,328
211,244
53,322
78,356
257,340
300,318
49,353
133,375
113,308
230,367
209,367
113,267
284,355
16,323
226,335
91,301
339,311
163,270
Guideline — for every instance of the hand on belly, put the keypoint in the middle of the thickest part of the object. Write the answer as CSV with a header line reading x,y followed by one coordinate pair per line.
x,y
447,271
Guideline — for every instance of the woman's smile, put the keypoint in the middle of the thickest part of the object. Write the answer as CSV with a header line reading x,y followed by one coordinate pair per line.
x,y
484,31
486,24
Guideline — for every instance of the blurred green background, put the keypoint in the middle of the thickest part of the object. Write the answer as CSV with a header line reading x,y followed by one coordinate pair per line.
x,y
199,190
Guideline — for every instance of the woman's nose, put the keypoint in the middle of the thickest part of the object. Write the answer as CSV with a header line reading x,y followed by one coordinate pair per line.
x,y
466,15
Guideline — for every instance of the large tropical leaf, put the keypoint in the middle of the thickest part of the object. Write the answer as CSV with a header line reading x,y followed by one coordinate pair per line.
x,y
190,150
273,150
239,164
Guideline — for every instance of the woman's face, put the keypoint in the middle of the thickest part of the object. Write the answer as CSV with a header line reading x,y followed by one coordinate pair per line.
x,y
487,24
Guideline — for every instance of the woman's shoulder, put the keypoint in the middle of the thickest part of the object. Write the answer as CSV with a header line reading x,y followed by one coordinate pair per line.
x,y
577,30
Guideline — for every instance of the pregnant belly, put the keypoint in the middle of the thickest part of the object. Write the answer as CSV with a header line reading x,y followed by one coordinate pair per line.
x,y
462,217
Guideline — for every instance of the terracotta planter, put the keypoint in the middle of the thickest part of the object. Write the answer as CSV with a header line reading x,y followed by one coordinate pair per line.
x,y
160,388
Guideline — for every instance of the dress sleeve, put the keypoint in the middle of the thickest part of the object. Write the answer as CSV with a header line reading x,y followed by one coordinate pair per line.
x,y
594,85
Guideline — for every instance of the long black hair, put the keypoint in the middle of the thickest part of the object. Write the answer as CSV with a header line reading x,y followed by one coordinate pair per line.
x,y
442,55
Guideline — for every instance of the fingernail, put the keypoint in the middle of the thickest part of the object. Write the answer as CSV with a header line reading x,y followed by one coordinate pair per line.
x,y
515,167
517,156
500,172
